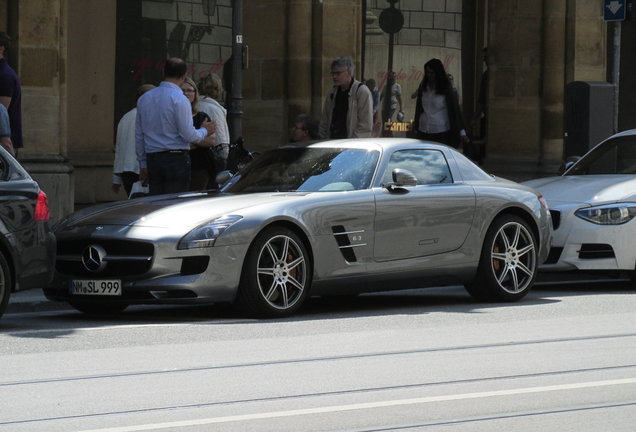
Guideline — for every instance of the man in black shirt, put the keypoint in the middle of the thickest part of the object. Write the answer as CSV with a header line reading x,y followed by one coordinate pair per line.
x,y
348,108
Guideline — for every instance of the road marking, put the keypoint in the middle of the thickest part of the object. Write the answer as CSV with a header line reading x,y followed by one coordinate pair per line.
x,y
366,405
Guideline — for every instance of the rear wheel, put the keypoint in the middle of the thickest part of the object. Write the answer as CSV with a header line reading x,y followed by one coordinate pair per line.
x,y
276,275
5,284
508,264
97,308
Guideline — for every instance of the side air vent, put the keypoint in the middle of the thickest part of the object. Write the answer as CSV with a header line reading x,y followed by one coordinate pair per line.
x,y
347,241
556,218
555,254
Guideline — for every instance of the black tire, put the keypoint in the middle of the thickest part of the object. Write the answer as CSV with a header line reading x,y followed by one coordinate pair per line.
x,y
5,284
508,264
98,308
276,275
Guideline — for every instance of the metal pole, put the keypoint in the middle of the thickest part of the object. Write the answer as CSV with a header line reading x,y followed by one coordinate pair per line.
x,y
616,70
364,39
235,109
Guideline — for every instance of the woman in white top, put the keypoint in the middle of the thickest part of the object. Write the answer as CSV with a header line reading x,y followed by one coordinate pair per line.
x,y
211,88
437,113
126,166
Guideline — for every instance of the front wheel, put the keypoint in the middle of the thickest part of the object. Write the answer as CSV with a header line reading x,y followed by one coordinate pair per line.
x,y
276,275
508,263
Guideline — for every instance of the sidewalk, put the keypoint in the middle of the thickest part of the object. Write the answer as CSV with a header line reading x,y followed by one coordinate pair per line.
x,y
32,300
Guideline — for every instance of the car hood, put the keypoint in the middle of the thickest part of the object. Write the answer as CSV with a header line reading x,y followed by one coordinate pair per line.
x,y
590,189
165,211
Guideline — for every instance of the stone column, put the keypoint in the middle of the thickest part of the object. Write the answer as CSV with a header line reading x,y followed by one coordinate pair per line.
x,y
586,42
91,28
41,49
553,82
299,57
338,35
514,57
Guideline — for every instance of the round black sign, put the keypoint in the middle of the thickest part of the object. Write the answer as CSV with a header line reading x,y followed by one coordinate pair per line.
x,y
391,20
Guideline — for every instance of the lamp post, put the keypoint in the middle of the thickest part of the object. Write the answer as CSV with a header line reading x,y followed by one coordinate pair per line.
x,y
391,22
235,108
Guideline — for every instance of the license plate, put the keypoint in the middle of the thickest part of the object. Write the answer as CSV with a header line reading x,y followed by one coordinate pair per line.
x,y
106,287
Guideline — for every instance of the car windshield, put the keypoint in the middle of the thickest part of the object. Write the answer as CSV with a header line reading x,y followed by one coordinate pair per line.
x,y
617,156
308,169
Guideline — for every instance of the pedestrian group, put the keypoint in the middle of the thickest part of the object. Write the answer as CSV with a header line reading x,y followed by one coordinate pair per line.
x,y
181,143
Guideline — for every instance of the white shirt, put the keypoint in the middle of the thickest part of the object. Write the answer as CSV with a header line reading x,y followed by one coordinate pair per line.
x,y
218,114
125,154
434,118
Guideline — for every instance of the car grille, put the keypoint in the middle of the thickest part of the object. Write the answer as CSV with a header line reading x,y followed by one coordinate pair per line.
x,y
123,258
596,251
556,219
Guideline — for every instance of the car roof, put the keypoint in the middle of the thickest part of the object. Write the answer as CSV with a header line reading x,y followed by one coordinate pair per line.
x,y
383,144
628,132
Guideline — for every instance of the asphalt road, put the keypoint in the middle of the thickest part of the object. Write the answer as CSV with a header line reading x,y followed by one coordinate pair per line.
x,y
428,360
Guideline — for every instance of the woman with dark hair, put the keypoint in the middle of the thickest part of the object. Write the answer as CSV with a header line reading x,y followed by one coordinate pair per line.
x,y
437,113
211,89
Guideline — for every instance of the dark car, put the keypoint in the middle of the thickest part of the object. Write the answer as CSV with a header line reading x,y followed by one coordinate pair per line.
x,y
27,244
335,217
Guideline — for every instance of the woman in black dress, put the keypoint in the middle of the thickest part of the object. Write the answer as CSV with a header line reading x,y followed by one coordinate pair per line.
x,y
201,157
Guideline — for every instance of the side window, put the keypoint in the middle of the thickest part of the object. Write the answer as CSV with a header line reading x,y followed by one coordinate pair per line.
x,y
429,166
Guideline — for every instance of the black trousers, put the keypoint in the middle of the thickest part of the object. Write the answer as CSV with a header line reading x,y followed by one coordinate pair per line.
x,y
128,178
168,172
443,137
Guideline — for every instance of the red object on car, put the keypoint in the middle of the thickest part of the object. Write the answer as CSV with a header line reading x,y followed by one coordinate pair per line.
x,y
42,208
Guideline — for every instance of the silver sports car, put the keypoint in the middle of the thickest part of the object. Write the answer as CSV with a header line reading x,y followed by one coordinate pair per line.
x,y
331,218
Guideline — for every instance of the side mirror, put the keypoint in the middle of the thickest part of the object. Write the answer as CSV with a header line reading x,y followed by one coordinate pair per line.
x,y
401,178
568,163
223,177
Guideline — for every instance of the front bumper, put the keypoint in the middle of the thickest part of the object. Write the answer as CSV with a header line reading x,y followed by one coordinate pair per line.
x,y
581,245
207,275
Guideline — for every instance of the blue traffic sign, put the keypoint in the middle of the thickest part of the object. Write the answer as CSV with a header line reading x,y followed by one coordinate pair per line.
x,y
614,10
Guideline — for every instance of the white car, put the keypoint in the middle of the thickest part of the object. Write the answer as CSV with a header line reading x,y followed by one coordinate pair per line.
x,y
593,205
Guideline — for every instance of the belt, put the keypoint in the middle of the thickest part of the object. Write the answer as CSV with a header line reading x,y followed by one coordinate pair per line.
x,y
176,152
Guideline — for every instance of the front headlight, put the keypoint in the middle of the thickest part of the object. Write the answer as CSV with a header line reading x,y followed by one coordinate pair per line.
x,y
610,214
206,235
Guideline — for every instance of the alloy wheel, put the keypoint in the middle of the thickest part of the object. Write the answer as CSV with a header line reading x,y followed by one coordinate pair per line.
x,y
513,257
281,272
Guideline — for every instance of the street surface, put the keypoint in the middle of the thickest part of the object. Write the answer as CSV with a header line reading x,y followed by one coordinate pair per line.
x,y
428,360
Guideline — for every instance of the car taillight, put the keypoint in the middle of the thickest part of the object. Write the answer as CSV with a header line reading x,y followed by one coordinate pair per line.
x,y
41,208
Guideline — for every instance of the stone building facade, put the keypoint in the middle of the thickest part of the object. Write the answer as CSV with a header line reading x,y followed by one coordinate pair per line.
x,y
431,29
80,61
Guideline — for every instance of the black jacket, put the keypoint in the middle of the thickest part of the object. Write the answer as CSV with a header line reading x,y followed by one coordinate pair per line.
x,y
455,116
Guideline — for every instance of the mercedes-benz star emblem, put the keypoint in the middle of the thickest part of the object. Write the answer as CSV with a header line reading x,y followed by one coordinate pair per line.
x,y
93,258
